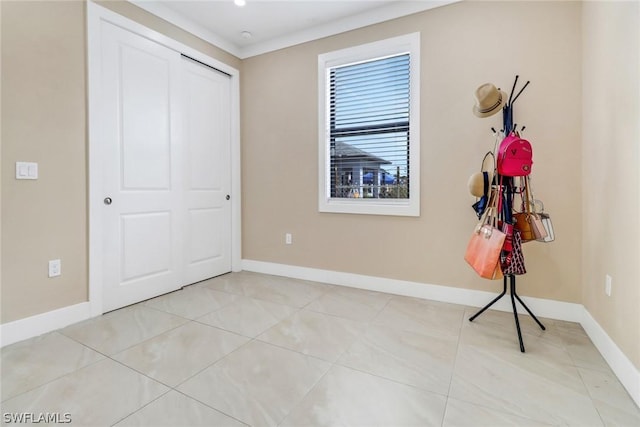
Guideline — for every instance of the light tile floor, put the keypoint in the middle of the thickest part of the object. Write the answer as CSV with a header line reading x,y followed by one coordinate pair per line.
x,y
252,349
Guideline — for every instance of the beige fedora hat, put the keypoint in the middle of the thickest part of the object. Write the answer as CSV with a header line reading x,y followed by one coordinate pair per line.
x,y
489,100
476,183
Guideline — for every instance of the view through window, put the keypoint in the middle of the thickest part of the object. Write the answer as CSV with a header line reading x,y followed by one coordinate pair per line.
x,y
369,126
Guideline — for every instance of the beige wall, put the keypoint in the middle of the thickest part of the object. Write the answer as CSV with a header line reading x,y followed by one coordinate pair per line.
x,y
44,120
463,45
611,182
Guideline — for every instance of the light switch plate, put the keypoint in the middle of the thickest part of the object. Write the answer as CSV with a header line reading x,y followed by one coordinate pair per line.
x,y
26,170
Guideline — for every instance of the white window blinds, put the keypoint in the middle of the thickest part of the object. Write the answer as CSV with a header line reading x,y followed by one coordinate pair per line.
x,y
369,129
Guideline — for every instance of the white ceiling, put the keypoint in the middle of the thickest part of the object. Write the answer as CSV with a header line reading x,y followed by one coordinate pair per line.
x,y
277,24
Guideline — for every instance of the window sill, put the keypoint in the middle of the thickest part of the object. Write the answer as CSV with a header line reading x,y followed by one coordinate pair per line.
x,y
370,207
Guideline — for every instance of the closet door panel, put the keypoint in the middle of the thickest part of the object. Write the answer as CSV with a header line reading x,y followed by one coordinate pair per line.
x,y
141,213
208,179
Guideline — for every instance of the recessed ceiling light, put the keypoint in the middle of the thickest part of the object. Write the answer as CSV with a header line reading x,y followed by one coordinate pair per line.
x,y
246,35
240,2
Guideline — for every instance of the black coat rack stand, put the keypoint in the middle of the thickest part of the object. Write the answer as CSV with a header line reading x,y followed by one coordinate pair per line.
x,y
514,297
508,127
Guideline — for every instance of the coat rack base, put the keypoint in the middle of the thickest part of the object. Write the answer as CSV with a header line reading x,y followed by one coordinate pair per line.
x,y
514,297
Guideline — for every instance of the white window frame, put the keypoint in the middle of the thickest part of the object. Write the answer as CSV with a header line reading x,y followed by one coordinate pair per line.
x,y
409,43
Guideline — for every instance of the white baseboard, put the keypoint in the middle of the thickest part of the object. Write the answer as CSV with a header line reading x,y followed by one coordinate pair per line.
x,y
33,326
541,307
626,372
620,364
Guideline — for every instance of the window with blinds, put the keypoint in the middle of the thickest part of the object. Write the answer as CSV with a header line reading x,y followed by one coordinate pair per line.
x,y
369,156
369,129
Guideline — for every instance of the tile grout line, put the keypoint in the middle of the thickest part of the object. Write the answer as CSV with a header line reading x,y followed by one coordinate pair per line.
x,y
175,388
453,368
103,358
332,364
209,406
302,398
142,407
590,394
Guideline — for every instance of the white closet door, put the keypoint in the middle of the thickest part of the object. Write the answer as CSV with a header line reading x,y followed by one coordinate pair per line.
x,y
165,140
206,116
142,225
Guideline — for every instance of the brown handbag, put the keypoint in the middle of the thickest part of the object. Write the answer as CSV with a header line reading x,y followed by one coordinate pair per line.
x,y
523,225
527,222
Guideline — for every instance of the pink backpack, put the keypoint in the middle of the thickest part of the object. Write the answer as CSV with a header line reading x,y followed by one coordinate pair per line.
x,y
515,156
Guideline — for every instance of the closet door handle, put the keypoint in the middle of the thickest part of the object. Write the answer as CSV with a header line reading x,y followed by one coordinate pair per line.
x,y
228,197
108,201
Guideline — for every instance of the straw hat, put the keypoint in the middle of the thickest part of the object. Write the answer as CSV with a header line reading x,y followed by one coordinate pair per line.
x,y
489,100
476,183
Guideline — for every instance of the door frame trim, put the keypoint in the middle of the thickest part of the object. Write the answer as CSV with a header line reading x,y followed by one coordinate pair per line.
x,y
96,15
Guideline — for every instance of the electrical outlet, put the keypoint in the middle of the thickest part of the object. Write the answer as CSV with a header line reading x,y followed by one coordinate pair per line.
x,y
607,285
55,268
288,239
